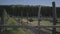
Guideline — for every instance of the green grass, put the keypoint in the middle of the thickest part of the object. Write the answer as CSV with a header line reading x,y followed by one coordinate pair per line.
x,y
14,31
11,21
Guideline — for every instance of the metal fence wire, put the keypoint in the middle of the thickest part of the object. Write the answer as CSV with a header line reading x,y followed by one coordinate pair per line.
x,y
4,18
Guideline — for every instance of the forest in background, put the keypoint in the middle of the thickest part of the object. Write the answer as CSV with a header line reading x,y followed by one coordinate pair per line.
x,y
15,10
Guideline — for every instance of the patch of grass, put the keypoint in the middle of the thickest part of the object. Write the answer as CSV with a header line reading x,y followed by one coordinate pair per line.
x,y
11,21
15,31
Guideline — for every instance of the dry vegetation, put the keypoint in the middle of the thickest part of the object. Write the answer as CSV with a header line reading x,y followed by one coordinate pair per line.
x,y
43,23
12,21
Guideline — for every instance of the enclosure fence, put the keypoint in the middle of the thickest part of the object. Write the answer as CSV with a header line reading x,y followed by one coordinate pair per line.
x,y
4,16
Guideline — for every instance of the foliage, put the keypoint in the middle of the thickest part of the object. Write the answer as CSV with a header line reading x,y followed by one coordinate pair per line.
x,y
14,31
32,10
11,21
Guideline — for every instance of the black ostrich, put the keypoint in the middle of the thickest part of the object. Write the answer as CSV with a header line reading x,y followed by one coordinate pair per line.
x,y
30,20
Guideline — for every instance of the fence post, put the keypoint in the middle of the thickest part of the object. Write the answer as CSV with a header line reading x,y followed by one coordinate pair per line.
x,y
54,16
39,19
21,16
3,19
27,17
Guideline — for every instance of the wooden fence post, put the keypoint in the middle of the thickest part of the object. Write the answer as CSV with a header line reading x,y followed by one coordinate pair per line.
x,y
2,20
54,17
39,19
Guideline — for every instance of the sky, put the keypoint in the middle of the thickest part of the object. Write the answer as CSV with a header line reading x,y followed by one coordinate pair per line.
x,y
29,2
